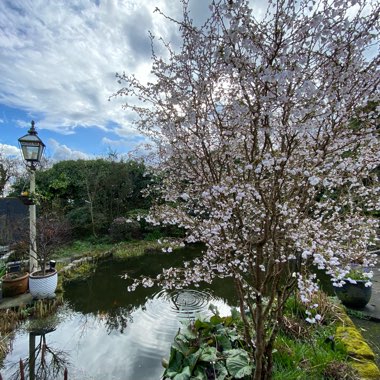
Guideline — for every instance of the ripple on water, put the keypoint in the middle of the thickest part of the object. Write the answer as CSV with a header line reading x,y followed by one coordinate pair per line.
x,y
163,314
180,304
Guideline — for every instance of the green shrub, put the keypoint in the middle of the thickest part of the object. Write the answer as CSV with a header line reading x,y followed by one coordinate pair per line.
x,y
122,229
154,235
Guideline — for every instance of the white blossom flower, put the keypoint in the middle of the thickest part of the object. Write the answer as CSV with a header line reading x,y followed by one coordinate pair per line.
x,y
185,196
314,180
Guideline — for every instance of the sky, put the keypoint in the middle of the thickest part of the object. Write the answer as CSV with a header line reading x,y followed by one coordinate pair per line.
x,y
58,60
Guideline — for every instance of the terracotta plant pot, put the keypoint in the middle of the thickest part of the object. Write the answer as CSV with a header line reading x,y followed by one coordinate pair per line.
x,y
41,286
15,284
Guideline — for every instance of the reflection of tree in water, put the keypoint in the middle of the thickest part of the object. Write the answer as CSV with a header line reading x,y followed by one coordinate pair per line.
x,y
44,362
118,318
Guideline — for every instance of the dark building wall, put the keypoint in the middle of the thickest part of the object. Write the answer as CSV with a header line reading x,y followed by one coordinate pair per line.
x,y
13,220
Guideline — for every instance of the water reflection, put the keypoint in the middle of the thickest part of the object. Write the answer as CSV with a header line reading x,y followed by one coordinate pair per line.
x,y
110,333
124,343
44,361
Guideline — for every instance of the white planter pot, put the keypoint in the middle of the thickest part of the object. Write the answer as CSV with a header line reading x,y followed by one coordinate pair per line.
x,y
43,286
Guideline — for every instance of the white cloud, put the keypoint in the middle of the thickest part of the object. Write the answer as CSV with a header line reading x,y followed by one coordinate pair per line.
x,y
10,150
59,58
114,143
60,152
136,146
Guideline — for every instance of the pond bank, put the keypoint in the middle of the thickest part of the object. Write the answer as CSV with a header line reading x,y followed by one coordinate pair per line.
x,y
362,357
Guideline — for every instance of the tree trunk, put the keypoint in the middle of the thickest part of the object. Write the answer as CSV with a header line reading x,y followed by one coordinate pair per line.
x,y
260,360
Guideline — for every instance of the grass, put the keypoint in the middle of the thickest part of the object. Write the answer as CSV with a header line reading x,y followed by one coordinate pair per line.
x,y
311,357
136,248
81,248
306,351
310,351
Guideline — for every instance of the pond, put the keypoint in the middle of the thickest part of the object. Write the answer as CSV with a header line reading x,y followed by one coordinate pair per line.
x,y
105,332
102,331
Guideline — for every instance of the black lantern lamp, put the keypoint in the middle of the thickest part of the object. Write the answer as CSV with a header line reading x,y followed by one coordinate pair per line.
x,y
32,147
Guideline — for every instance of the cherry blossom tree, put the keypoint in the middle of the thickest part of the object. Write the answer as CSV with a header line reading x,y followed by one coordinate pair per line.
x,y
10,169
265,129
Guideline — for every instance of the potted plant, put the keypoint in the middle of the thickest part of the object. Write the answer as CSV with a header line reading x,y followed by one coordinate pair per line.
x,y
15,276
52,231
25,198
355,288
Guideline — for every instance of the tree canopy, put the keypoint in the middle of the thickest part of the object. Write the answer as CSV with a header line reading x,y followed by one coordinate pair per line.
x,y
91,193
252,120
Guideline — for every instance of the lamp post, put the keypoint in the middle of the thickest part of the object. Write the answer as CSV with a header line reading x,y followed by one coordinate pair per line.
x,y
32,149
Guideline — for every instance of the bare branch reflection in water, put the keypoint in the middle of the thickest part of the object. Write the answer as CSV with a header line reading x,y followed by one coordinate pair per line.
x,y
44,361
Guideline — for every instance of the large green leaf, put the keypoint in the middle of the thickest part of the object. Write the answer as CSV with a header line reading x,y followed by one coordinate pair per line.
x,y
198,324
181,346
216,320
181,337
184,375
223,342
233,318
199,374
238,363
189,333
232,335
214,309
235,315
175,363
221,371
192,360
209,354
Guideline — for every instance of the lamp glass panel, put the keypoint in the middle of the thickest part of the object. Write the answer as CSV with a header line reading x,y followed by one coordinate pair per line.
x,y
30,152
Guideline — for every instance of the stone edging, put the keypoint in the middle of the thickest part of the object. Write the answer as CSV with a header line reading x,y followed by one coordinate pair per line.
x,y
362,358
87,259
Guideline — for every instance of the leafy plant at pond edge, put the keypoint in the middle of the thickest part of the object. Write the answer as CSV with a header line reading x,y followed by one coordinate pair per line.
x,y
216,349
212,349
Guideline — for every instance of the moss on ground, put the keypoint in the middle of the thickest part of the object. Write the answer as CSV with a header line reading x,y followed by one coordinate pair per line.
x,y
367,370
361,355
354,342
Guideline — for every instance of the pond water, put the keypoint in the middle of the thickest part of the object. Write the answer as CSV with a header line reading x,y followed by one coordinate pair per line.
x,y
104,332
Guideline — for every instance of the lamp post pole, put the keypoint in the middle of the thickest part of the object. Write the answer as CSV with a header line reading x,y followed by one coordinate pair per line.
x,y
32,149
32,355
32,224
